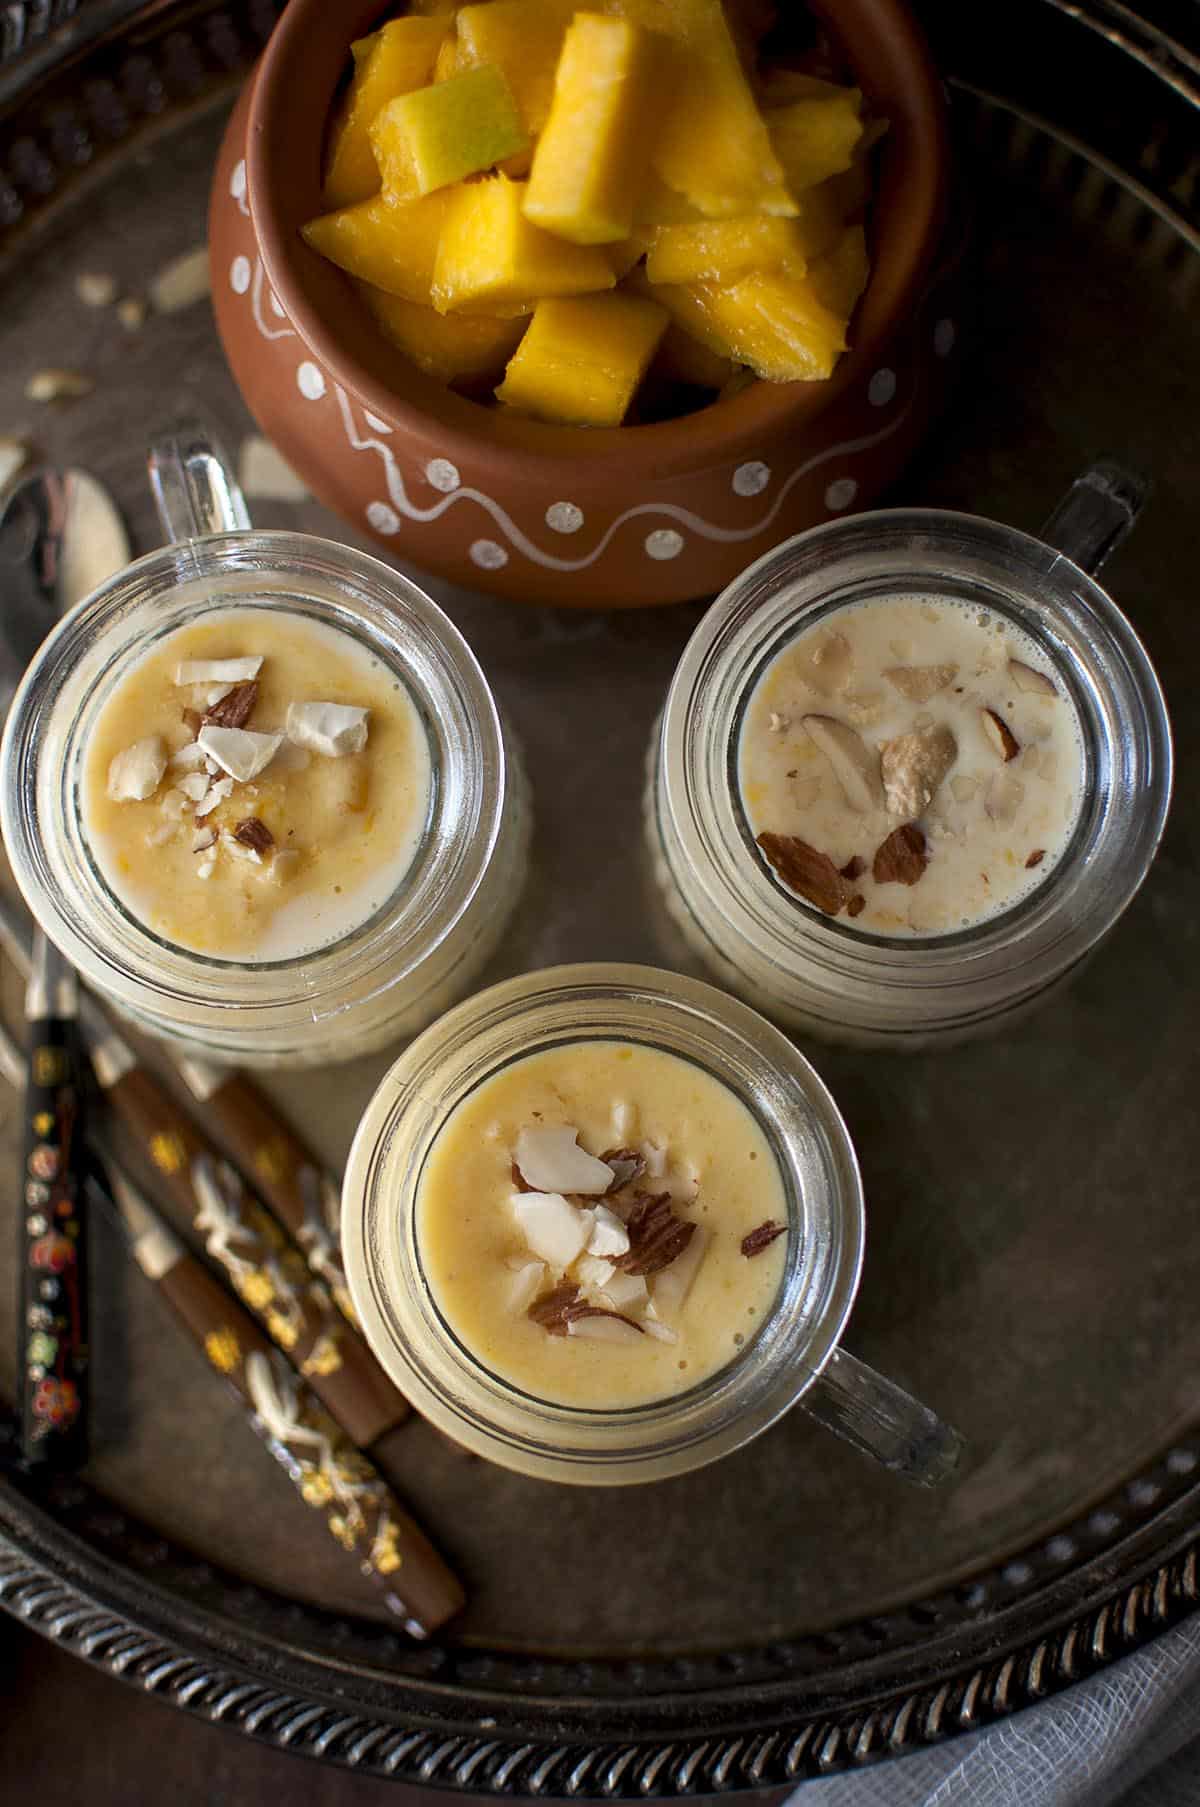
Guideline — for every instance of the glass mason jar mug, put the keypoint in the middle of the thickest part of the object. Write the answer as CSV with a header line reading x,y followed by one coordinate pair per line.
x,y
385,976
794,1355
820,973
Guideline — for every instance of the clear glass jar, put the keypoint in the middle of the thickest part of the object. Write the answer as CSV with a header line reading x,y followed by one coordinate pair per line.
x,y
390,975
821,975
793,1357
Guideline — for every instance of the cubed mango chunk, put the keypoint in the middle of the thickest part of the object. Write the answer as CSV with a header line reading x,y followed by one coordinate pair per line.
x,y
490,255
658,205
523,38
712,146
437,135
779,87
722,250
390,62
595,148
683,359
447,347
581,360
447,61
773,322
814,139
389,244
839,278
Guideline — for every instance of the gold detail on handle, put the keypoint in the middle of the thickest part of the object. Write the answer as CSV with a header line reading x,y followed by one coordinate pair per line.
x,y
256,1289
385,1557
223,1350
271,1161
167,1150
315,1487
281,1331
49,1066
324,1357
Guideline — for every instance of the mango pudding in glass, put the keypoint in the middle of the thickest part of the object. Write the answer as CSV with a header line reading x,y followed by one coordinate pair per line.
x,y
258,792
604,1224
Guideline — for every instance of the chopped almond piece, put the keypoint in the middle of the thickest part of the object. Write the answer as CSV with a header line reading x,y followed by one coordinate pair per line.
x,y
812,874
1001,737
901,859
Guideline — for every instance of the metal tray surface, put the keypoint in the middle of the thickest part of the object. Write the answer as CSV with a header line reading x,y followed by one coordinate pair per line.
x,y
1033,1241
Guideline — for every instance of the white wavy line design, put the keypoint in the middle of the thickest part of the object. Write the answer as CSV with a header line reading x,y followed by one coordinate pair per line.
x,y
239,194
668,510
520,541
256,289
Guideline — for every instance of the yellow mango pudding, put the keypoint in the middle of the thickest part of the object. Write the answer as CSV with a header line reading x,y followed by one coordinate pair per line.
x,y
257,790
602,1224
256,787
594,215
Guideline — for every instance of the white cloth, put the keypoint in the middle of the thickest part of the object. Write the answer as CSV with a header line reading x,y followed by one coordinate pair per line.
x,y
1126,1737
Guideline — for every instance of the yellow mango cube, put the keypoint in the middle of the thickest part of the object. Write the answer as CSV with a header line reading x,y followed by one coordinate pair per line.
x,y
779,86
389,244
390,62
523,38
712,145
839,278
581,360
437,135
447,63
658,205
595,147
489,255
683,359
773,322
447,347
814,139
722,250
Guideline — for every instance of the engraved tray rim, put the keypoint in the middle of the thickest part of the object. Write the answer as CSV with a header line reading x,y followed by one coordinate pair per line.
x,y
505,1723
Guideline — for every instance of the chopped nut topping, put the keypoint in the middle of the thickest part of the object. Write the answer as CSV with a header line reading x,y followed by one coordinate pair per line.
x,y
254,833
901,859
217,671
599,1324
1003,741
762,1238
827,666
57,385
132,313
919,682
181,282
913,766
857,904
1035,858
656,1236
855,765
854,868
627,1166
242,752
234,708
550,1311
96,288
1030,679
812,874
551,1160
137,773
1004,796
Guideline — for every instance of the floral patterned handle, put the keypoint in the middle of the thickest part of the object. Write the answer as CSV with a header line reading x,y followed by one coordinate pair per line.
x,y
330,1475
53,1326
302,1195
265,1268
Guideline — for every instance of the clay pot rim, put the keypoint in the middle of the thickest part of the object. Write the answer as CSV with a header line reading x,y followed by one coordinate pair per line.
x,y
917,167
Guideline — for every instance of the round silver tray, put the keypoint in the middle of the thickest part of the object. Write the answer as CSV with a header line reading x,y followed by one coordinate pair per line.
x,y
1033,1239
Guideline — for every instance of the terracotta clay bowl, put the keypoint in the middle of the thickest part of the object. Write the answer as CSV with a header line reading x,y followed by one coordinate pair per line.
x,y
614,517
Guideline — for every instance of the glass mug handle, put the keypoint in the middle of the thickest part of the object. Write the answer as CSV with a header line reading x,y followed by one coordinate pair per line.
x,y
881,1420
1096,514
195,490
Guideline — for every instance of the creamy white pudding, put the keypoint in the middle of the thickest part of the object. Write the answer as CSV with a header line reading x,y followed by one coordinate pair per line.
x,y
911,765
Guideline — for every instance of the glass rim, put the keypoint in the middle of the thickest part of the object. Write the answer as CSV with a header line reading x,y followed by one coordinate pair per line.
x,y
349,591
522,1016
